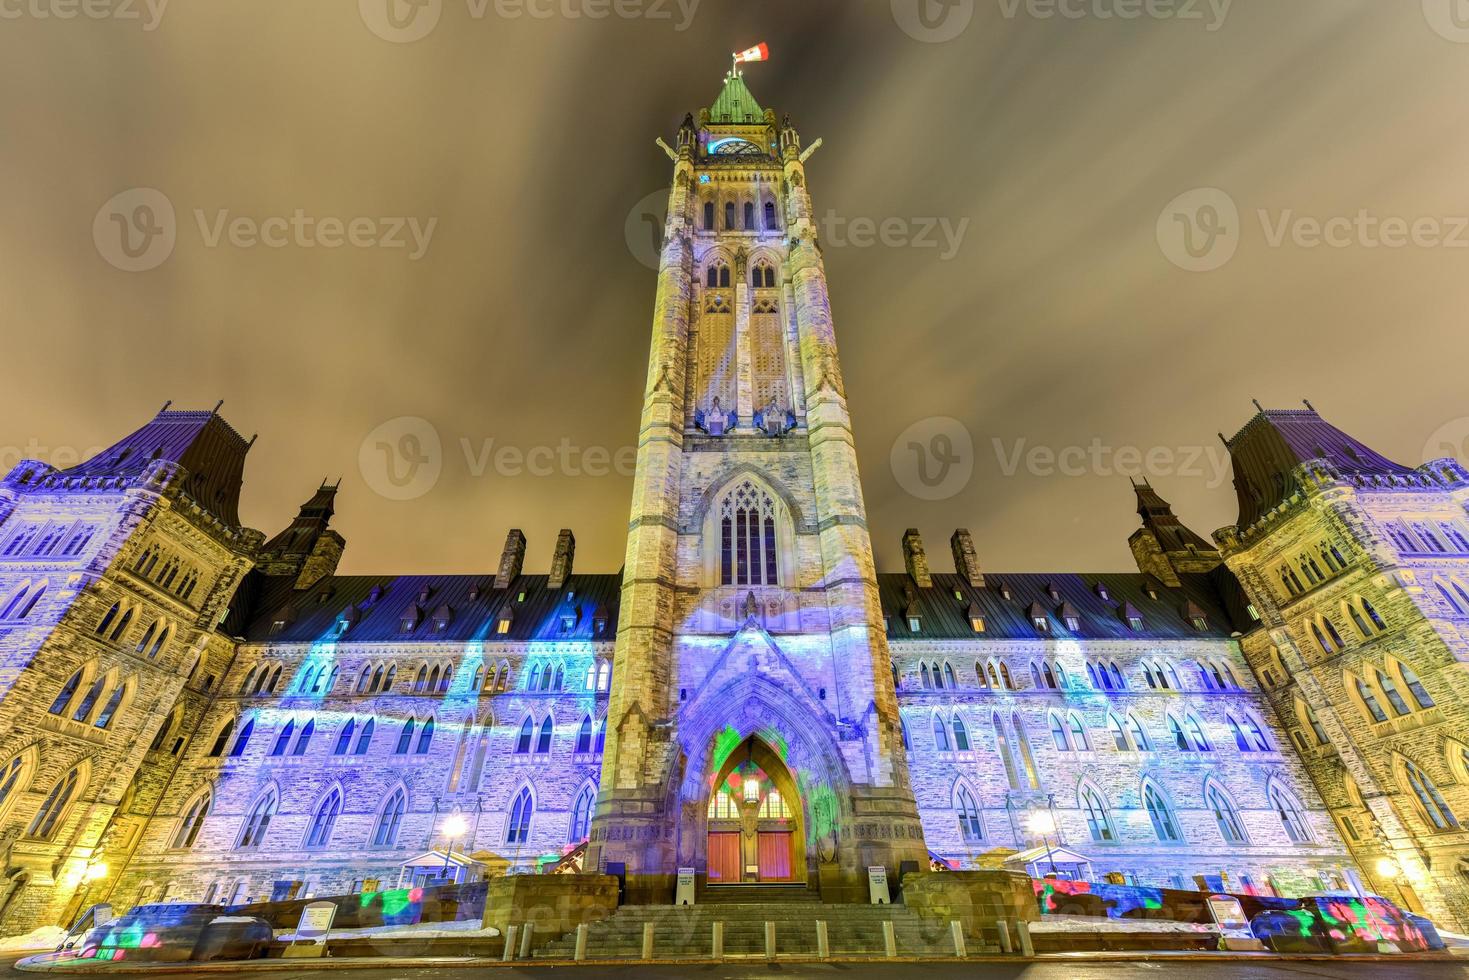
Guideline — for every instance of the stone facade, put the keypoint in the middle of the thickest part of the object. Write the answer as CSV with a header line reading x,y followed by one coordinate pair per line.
x,y
250,724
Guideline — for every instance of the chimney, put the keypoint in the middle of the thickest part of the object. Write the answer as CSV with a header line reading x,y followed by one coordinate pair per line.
x,y
561,560
915,560
511,559
966,559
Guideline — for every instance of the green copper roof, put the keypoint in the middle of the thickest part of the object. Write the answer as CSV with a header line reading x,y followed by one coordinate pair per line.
x,y
735,103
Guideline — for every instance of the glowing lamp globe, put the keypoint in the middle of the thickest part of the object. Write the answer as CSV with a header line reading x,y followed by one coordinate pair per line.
x,y
455,826
1388,868
1041,823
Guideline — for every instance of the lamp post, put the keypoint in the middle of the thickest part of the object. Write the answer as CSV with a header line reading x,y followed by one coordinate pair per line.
x,y
1043,823
454,828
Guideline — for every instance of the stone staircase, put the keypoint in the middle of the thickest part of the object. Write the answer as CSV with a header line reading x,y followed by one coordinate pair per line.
x,y
687,931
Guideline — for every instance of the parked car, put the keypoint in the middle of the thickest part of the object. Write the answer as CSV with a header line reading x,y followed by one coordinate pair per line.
x,y
177,932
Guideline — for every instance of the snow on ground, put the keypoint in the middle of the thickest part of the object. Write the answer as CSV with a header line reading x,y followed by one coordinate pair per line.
x,y
422,930
46,937
1079,923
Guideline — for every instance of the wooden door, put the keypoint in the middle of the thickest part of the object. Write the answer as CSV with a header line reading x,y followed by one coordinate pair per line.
x,y
724,857
775,855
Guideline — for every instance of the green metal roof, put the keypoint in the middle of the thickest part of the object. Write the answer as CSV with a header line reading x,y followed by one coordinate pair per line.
x,y
735,103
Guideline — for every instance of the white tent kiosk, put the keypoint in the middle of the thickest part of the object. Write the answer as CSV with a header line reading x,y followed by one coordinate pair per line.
x,y
1059,862
439,868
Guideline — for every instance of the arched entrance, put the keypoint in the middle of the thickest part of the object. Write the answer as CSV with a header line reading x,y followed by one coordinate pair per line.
x,y
755,820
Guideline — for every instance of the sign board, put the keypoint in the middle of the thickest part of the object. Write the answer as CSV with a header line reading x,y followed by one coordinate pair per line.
x,y
312,930
685,893
1234,925
877,886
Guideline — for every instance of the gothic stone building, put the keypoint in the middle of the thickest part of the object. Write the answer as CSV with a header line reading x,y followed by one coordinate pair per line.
x,y
191,711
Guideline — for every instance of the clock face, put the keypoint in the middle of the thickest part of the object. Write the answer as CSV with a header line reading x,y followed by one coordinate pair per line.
x,y
734,146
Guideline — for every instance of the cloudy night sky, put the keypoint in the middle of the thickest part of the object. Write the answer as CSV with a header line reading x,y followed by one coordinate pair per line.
x,y
1023,164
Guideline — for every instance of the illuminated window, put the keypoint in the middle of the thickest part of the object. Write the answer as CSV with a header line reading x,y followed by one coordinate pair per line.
x,y
193,822
252,834
722,806
324,820
1289,812
773,807
1429,798
970,826
390,819
1097,820
518,830
1225,815
748,537
581,816
1161,816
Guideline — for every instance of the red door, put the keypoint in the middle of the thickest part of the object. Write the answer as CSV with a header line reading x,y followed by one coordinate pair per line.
x,y
724,856
775,855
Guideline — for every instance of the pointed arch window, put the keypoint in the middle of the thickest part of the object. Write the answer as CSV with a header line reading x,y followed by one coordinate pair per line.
x,y
324,820
729,216
48,817
1006,756
949,680
523,741
405,737
1415,685
1161,816
364,740
1429,799
1291,817
385,834
961,735
924,676
344,738
771,223
543,740
68,691
584,736
10,778
193,822
1097,820
303,741
1369,700
109,709
940,735
1139,734
1119,734
971,828
243,739
581,816
1225,815
748,537
1027,758
1196,732
521,812
108,618
1079,739
425,738
84,709
709,218
283,739
1058,734
1391,692
222,739
252,834
749,216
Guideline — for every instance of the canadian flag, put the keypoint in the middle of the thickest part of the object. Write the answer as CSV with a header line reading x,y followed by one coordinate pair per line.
x,y
760,52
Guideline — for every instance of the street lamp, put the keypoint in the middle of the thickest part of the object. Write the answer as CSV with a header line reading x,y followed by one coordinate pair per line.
x,y
1043,823
1388,868
454,828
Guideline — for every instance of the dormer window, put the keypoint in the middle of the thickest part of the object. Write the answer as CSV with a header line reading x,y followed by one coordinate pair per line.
x,y
599,621
959,596
1072,623
1254,613
521,596
423,594
411,618
1005,592
1102,592
443,616
1041,623
1200,623
375,594
915,624
346,620
1132,617
1053,592
568,619
976,618
474,593
502,625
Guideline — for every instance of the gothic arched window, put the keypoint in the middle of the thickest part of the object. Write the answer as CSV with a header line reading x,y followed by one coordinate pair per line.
x,y
258,822
970,827
729,216
1225,815
1097,820
1162,817
747,550
193,822
523,809
749,216
390,819
49,816
581,816
770,222
324,820
709,217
